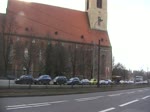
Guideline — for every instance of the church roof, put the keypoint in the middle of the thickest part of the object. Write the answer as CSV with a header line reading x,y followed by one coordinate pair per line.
x,y
59,23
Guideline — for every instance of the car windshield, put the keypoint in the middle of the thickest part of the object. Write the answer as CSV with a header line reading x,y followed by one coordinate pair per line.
x,y
22,76
71,79
93,79
84,80
44,76
26,76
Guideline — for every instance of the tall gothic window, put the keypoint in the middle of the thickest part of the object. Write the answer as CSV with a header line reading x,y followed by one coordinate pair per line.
x,y
87,4
26,53
11,53
99,3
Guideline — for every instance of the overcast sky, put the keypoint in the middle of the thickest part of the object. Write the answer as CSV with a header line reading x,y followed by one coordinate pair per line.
x,y
129,31
128,28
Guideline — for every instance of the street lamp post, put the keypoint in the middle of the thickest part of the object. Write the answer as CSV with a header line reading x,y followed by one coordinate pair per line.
x,y
98,76
147,76
93,58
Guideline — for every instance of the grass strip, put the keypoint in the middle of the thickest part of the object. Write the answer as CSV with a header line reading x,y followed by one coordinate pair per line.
x,y
20,92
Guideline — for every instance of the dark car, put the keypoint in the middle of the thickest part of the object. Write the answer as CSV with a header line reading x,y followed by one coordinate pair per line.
x,y
24,79
73,81
60,80
43,79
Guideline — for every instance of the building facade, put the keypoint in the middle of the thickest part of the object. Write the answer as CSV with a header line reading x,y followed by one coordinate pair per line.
x,y
45,38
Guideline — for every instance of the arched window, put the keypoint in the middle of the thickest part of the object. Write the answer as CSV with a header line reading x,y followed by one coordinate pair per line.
x,y
26,53
99,3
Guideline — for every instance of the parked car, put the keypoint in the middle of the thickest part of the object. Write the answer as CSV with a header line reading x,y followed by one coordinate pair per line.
x,y
24,79
130,82
105,82
145,82
60,80
123,82
73,81
85,82
93,81
43,79
109,81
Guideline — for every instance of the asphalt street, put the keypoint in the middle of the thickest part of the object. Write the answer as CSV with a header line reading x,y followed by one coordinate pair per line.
x,y
6,82
133,100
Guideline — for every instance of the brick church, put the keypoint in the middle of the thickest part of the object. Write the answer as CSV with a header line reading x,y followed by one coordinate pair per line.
x,y
38,38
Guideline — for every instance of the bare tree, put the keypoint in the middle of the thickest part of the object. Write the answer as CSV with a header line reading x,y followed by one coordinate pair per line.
x,y
8,27
60,58
18,57
88,62
42,57
81,62
30,54
49,61
31,51
73,57
120,70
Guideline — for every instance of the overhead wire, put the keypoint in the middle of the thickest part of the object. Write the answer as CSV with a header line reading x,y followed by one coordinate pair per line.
x,y
50,26
43,12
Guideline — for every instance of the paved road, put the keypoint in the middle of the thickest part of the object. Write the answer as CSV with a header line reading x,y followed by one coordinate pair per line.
x,y
134,100
5,82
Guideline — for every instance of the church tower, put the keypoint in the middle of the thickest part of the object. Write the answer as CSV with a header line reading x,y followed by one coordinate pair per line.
x,y
97,14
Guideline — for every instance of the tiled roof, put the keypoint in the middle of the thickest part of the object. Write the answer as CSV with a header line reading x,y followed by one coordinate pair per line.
x,y
59,23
